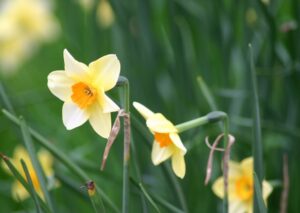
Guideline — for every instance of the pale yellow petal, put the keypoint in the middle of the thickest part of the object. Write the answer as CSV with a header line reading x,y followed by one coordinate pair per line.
x,y
73,116
160,154
46,160
177,142
60,85
21,153
144,111
109,105
178,164
247,166
158,123
101,122
218,187
73,67
235,170
267,190
238,207
105,71
18,191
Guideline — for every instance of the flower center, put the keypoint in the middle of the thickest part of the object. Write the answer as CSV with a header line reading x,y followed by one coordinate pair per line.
x,y
163,139
83,95
244,188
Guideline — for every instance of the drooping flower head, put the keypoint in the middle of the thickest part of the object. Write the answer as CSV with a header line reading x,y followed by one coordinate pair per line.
x,y
240,187
82,89
167,142
46,161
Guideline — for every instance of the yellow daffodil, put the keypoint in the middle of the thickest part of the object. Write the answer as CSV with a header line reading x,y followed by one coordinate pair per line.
x,y
46,160
23,24
82,88
167,142
105,14
240,187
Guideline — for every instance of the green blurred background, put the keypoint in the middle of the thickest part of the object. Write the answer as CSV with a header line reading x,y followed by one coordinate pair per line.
x,y
163,46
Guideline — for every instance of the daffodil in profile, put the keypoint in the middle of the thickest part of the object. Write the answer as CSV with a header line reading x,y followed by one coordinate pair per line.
x,y
240,187
82,89
167,143
46,161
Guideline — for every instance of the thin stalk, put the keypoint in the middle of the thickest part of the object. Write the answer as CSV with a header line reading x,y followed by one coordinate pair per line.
x,y
226,135
257,148
126,153
61,157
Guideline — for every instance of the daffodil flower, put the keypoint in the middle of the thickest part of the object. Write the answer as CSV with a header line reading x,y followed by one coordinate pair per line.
x,y
82,88
240,187
23,24
46,160
167,142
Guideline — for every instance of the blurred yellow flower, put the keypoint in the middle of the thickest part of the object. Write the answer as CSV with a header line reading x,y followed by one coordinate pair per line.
x,y
240,187
87,5
105,14
167,142
82,88
46,160
23,24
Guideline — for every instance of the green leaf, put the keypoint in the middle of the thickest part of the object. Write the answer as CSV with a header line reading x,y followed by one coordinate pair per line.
x,y
258,195
257,142
20,178
31,187
35,162
60,156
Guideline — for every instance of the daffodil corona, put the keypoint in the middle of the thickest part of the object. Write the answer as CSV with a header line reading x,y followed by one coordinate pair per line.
x,y
167,142
241,187
46,160
82,88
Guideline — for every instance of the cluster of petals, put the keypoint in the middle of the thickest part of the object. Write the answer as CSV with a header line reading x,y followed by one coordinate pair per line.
x,y
240,187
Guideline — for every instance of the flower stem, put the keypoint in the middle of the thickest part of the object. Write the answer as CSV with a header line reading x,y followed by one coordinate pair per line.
x,y
122,81
209,118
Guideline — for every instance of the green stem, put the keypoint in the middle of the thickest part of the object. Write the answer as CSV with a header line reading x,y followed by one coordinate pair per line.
x,y
257,143
122,81
209,118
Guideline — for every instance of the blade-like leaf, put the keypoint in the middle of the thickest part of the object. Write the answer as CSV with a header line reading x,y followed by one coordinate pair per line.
x,y
35,162
31,187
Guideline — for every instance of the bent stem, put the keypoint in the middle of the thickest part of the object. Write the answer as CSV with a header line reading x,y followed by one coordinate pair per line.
x,y
211,117
122,81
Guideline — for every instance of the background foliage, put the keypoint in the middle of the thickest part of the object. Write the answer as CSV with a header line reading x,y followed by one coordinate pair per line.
x,y
163,46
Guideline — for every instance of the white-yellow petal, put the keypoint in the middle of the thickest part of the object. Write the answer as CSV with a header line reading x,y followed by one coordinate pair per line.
x,y
73,116
235,170
109,105
101,122
267,189
46,160
60,85
238,206
177,142
105,71
247,166
160,154
158,123
178,164
144,111
218,187
18,191
73,67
